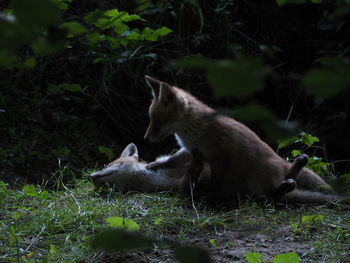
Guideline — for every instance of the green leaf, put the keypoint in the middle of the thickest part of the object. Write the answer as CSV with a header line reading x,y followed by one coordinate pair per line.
x,y
95,38
98,60
289,257
7,59
143,5
329,80
71,87
295,153
44,194
42,46
187,254
119,222
120,28
38,14
107,151
16,215
30,63
311,218
60,152
62,4
93,16
284,2
13,236
73,28
312,221
240,77
148,34
157,221
324,82
118,240
253,257
113,13
133,35
308,139
53,89
284,142
163,31
30,190
212,242
230,244
254,112
3,189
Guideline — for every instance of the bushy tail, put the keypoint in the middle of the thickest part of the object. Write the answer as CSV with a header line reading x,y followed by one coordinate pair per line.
x,y
315,198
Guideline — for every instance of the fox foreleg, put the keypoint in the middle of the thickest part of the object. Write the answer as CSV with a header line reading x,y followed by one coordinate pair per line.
x,y
181,158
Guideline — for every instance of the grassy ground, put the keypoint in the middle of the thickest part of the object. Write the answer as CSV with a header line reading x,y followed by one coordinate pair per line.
x,y
56,226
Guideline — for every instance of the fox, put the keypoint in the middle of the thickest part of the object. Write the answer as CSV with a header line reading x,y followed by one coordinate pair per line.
x,y
127,173
240,162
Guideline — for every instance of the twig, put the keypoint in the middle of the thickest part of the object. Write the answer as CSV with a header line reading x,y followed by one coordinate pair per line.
x,y
37,236
192,200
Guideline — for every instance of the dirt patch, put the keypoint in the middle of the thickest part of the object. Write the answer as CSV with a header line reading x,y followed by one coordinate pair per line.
x,y
231,246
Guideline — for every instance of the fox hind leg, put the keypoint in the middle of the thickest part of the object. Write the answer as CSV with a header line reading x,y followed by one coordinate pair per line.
x,y
290,184
298,164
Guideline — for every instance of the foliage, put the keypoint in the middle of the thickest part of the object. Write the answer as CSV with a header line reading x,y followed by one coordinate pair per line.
x,y
228,77
305,142
290,257
61,227
307,224
119,222
329,80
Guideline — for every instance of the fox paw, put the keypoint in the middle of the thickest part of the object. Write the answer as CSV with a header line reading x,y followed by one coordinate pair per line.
x,y
302,160
285,187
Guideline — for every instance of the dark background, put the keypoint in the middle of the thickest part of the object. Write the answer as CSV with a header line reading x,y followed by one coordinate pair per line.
x,y
42,131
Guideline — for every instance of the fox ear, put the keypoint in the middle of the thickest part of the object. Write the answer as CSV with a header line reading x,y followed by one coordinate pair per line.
x,y
154,84
167,94
130,150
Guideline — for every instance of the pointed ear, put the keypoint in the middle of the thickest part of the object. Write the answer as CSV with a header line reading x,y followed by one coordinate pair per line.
x,y
167,94
154,84
130,150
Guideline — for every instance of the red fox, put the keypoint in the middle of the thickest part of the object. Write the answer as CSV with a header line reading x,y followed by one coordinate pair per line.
x,y
240,162
127,173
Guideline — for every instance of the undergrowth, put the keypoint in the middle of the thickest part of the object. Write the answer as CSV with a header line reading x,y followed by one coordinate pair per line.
x,y
39,225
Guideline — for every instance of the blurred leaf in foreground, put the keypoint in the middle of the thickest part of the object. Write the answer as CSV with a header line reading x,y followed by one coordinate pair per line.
x,y
329,80
241,77
118,240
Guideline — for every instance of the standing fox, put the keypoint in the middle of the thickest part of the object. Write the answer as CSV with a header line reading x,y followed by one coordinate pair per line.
x,y
240,162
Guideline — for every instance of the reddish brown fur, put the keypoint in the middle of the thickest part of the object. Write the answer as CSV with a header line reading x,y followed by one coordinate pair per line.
x,y
240,162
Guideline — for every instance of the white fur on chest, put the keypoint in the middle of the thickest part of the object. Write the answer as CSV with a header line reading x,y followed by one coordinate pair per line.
x,y
186,140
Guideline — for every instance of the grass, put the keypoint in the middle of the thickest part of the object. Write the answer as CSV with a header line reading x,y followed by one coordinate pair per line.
x,y
39,225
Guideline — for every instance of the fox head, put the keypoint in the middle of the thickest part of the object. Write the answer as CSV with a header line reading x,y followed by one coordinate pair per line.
x,y
118,171
165,110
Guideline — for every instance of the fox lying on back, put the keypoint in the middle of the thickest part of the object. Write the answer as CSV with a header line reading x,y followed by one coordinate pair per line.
x,y
127,173
240,162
